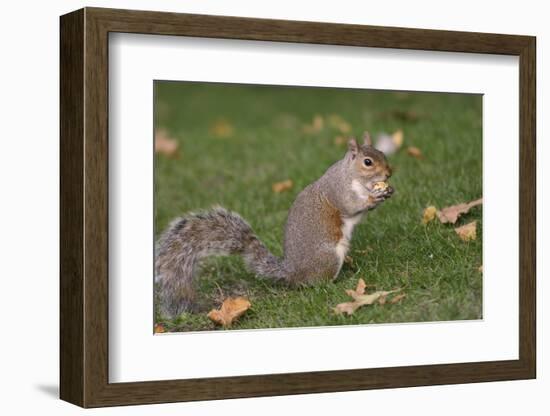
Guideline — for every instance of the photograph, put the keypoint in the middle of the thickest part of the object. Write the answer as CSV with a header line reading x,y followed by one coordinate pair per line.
x,y
289,204
295,206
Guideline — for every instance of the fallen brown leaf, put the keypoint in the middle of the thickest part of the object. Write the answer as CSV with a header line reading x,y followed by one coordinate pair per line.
x,y
397,298
398,138
159,328
279,187
480,268
337,122
222,128
429,214
360,298
467,232
317,124
340,140
451,214
166,145
359,289
350,307
415,152
230,311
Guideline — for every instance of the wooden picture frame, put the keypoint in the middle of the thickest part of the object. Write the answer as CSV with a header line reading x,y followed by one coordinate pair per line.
x,y
84,207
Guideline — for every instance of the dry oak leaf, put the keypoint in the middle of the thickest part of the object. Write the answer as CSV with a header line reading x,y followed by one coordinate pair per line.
x,y
166,145
429,214
451,214
415,152
340,140
159,328
222,128
230,311
467,232
359,289
338,123
360,298
279,187
397,138
317,124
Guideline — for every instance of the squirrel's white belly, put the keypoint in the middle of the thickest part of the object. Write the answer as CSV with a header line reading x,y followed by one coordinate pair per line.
x,y
342,246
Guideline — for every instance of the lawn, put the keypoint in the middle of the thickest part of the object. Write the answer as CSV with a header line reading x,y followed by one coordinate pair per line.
x,y
235,141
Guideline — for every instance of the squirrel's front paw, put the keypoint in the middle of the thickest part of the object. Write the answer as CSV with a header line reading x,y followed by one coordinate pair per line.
x,y
379,195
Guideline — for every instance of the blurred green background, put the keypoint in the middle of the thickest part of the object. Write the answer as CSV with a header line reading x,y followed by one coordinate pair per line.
x,y
236,141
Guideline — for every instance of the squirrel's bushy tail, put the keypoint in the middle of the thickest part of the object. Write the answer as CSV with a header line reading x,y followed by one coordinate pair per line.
x,y
190,238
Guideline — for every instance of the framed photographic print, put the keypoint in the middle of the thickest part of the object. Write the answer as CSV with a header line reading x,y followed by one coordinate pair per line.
x,y
255,207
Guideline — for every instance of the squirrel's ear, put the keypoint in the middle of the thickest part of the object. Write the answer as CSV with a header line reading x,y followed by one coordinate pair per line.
x,y
366,139
353,147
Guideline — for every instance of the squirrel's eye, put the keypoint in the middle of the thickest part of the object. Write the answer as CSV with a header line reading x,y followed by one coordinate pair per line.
x,y
368,162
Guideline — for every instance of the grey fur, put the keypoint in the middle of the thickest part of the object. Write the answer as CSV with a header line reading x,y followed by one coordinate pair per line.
x,y
312,232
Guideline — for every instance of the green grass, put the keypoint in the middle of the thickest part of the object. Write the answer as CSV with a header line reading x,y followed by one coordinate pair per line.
x,y
390,248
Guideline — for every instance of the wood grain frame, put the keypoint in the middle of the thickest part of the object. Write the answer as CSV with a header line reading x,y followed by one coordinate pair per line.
x,y
84,207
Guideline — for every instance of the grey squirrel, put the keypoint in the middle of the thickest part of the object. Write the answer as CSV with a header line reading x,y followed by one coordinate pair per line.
x,y
317,233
